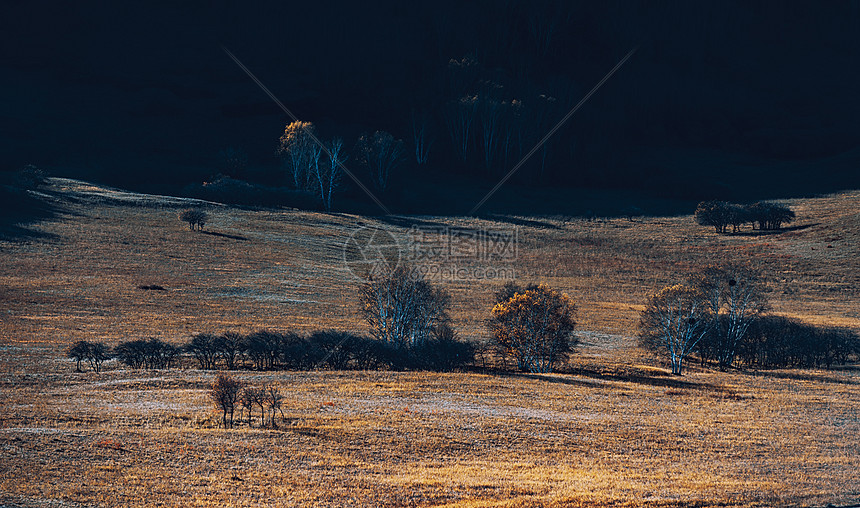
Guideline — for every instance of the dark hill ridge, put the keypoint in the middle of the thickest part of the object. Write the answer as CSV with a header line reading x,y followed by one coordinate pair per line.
x,y
732,99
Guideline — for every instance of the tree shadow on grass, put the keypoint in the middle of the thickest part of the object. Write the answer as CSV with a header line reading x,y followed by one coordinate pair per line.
x,y
663,380
518,221
565,380
19,210
801,376
224,235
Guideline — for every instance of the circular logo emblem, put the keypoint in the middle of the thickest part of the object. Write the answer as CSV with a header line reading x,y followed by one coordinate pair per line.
x,y
371,251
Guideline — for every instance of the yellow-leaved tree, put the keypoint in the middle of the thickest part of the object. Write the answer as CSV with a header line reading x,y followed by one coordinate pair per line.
x,y
534,326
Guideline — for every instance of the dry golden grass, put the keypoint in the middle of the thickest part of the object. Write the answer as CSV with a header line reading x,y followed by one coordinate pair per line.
x,y
618,432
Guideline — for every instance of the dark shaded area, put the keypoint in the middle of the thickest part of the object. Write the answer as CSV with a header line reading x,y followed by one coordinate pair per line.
x,y
644,379
818,378
151,287
19,210
224,235
729,100
518,221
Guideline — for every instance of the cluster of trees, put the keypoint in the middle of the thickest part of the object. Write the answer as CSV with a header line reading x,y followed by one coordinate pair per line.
x,y
270,350
326,349
531,326
764,215
194,217
228,394
781,342
141,353
318,167
718,313
94,353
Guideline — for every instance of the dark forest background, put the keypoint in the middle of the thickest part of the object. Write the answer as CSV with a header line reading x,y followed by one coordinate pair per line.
x,y
737,100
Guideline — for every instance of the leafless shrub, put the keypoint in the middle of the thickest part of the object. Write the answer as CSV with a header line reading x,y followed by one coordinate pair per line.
x,y
95,353
402,308
675,319
273,400
194,218
204,347
735,298
224,393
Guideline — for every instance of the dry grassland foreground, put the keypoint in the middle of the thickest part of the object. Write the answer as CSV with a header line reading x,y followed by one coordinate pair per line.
x,y
616,430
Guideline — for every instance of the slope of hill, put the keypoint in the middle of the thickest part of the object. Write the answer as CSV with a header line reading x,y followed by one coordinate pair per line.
x,y
618,433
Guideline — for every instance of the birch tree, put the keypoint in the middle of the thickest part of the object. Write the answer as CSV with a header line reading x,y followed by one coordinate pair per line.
x,y
674,321
420,138
401,308
381,153
734,297
491,117
328,175
296,148
460,116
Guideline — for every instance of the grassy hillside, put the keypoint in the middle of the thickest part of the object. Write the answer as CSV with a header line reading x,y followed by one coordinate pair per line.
x,y
619,432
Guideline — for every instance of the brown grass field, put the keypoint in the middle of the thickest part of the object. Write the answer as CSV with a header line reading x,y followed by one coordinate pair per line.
x,y
618,431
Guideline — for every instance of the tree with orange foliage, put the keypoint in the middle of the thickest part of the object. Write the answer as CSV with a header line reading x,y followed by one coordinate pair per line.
x,y
534,326
300,153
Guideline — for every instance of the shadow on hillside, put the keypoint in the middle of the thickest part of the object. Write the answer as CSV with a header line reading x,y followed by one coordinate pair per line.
x,y
798,376
225,235
769,232
518,221
547,378
667,381
19,210
408,222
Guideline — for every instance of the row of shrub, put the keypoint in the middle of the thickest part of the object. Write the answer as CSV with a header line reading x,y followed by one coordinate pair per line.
x,y
780,342
774,342
269,350
722,214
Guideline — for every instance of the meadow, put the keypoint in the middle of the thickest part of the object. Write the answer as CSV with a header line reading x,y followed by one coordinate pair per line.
x,y
616,430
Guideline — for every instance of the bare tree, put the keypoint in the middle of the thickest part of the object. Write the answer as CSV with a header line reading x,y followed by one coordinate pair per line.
x,y
420,138
714,213
402,308
735,299
297,148
674,321
98,353
491,116
78,352
229,347
94,353
381,153
459,116
194,218
204,347
770,216
224,393
329,175
251,397
273,400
